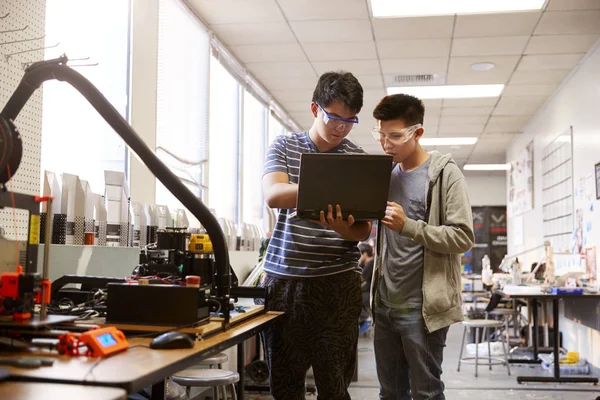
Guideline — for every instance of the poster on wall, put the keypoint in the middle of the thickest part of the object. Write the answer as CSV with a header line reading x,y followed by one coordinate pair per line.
x,y
520,187
597,168
590,262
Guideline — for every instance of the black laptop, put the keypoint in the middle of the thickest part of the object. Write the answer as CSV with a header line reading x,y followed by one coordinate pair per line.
x,y
359,183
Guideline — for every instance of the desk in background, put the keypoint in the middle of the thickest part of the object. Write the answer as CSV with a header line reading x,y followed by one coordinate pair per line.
x,y
140,366
534,294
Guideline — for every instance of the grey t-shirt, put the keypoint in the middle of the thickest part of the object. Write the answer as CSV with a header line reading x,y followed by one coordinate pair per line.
x,y
402,283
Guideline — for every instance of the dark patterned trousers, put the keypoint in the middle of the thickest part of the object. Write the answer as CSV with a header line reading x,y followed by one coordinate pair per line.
x,y
319,329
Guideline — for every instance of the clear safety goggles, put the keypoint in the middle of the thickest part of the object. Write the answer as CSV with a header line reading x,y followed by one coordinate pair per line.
x,y
398,137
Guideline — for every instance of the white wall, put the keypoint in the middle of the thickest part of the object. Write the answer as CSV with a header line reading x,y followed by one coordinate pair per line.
x,y
486,190
576,104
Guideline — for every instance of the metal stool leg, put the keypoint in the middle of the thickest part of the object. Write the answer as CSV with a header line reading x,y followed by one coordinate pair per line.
x,y
233,393
462,347
476,350
489,348
505,354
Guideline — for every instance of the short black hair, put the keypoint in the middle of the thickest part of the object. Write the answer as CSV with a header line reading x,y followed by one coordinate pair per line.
x,y
402,107
365,248
341,86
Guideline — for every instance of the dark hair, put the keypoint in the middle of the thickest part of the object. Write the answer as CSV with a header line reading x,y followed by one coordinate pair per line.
x,y
400,106
341,86
365,248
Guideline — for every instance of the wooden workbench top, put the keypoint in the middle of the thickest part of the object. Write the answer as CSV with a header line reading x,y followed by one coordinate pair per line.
x,y
139,366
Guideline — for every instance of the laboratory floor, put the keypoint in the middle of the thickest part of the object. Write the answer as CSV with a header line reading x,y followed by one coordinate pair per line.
x,y
490,385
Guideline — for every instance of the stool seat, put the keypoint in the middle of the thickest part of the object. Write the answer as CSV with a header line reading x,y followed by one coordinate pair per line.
x,y
206,377
482,323
502,311
214,360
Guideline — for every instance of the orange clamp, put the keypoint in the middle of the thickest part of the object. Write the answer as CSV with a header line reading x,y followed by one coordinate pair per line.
x,y
41,199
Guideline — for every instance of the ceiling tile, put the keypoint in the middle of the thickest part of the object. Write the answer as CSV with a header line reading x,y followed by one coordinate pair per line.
x,y
462,130
556,44
529,90
297,95
486,101
323,10
540,62
430,129
237,11
489,46
413,48
357,67
357,30
289,82
283,69
484,157
415,66
461,73
264,33
519,105
529,109
466,120
413,28
340,51
467,111
269,53
539,77
556,5
370,81
569,22
506,124
432,104
373,96
501,24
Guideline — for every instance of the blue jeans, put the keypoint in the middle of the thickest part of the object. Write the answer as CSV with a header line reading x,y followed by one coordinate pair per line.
x,y
409,359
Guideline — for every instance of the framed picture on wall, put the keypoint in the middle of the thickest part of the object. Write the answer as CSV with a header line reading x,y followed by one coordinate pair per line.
x,y
598,181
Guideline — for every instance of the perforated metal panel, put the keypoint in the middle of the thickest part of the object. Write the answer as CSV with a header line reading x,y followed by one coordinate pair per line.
x,y
30,14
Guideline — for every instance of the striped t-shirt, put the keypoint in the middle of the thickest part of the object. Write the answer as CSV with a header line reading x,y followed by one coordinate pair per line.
x,y
298,247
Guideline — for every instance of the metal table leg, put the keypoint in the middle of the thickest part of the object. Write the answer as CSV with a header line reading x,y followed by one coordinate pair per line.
x,y
241,370
557,378
159,391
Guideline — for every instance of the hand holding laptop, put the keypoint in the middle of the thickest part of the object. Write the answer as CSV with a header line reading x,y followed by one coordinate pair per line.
x,y
335,222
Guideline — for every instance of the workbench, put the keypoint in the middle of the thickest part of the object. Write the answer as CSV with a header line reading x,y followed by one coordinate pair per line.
x,y
140,366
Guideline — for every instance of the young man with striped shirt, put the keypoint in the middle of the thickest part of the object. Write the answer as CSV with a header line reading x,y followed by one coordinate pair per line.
x,y
312,266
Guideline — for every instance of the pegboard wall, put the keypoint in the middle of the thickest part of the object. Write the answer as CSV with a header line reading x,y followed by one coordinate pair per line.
x,y
22,29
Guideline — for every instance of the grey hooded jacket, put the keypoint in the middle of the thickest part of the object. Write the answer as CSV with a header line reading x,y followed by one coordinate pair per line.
x,y
446,233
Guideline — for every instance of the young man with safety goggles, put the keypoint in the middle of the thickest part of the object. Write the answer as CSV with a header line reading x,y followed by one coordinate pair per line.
x,y
416,281
311,267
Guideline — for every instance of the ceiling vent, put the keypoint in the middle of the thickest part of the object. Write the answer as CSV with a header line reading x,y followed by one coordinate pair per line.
x,y
415,80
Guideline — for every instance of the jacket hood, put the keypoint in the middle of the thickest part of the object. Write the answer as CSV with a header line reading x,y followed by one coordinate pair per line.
x,y
438,162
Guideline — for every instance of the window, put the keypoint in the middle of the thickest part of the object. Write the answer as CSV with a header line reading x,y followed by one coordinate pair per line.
x,y
182,100
224,131
75,138
253,153
275,129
